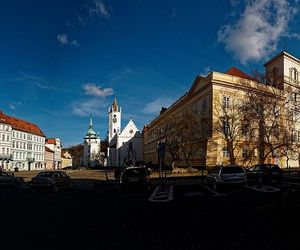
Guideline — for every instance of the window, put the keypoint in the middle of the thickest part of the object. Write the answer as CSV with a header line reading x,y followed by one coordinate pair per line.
x,y
298,136
225,152
13,144
294,74
3,137
225,102
245,154
225,127
7,137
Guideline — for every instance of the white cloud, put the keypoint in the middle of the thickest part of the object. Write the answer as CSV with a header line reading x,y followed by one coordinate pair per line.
x,y
173,13
155,106
206,71
63,40
92,106
93,90
98,9
259,28
75,43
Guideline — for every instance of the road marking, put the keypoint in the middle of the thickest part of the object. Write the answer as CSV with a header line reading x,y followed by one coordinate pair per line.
x,y
263,188
292,183
211,190
162,194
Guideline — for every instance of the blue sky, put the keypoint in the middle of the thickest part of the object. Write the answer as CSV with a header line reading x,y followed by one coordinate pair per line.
x,y
60,60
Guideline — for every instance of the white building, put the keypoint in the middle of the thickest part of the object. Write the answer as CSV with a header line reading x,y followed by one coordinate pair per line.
x,y
22,144
5,143
91,147
124,146
55,145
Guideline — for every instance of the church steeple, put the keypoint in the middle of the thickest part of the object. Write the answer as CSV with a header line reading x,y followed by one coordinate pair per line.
x,y
91,122
91,133
115,105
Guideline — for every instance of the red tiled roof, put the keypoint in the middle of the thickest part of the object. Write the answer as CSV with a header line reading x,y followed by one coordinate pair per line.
x,y
237,72
21,125
51,141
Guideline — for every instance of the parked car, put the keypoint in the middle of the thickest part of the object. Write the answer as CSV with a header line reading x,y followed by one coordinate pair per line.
x,y
68,168
226,175
135,177
8,179
264,173
51,180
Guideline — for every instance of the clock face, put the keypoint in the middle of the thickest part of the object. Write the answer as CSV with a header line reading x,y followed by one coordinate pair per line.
x,y
114,119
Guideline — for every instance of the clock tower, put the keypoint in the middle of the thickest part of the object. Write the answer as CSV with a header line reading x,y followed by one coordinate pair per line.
x,y
114,120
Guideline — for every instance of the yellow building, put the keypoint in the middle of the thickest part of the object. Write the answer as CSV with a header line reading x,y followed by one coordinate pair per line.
x,y
213,122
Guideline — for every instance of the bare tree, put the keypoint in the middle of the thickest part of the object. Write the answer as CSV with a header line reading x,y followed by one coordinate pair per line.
x,y
273,115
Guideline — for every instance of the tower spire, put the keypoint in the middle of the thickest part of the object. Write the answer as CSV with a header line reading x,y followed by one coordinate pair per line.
x,y
91,122
115,104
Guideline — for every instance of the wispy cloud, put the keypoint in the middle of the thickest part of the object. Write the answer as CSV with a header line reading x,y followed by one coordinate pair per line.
x,y
259,28
14,105
97,102
155,106
90,106
173,13
93,90
120,74
98,8
206,71
93,11
63,40
34,80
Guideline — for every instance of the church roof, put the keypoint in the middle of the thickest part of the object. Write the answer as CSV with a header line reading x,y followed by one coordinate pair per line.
x,y
91,133
130,129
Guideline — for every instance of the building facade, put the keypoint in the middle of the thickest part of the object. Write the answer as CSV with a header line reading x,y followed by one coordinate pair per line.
x,y
49,159
124,146
208,125
91,147
54,144
66,159
22,144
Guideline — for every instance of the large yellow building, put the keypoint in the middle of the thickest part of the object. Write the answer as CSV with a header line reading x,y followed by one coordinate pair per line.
x,y
195,128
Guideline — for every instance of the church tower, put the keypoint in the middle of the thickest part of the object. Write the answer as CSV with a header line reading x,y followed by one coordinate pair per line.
x,y
91,147
114,120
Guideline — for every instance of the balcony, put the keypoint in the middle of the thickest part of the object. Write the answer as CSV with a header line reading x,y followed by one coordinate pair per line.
x,y
6,157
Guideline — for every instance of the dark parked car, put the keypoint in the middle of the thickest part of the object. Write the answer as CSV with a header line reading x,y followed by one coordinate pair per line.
x,y
135,177
51,180
68,168
226,175
264,173
8,179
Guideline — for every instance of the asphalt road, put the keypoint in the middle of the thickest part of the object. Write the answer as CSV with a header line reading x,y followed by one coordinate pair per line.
x,y
108,218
